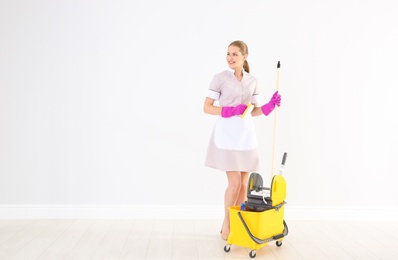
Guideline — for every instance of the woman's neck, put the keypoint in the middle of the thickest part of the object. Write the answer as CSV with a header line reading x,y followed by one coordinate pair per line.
x,y
239,74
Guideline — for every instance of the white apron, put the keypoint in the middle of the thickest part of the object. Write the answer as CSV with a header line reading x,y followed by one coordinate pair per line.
x,y
234,133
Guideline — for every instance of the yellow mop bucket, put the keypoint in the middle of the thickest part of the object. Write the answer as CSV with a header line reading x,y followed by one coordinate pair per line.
x,y
254,229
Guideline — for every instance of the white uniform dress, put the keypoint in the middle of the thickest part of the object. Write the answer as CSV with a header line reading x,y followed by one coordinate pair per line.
x,y
233,144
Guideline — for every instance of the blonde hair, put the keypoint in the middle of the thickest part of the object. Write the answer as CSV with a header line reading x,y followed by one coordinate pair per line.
x,y
244,50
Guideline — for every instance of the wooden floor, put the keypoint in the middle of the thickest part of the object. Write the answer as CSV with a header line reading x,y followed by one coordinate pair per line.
x,y
189,239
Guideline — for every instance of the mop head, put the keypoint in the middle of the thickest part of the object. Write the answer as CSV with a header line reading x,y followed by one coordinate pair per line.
x,y
248,110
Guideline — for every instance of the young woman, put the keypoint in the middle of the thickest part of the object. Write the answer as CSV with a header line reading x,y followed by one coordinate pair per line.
x,y
233,144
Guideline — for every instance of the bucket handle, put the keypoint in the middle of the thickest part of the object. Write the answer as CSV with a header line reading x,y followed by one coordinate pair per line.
x,y
266,240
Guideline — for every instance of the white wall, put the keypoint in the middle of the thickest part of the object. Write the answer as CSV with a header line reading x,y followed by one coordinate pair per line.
x,y
101,101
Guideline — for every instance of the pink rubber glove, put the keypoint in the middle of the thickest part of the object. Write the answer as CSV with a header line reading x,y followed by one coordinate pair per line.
x,y
233,111
270,106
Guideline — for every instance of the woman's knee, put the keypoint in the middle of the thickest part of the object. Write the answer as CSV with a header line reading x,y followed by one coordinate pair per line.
x,y
234,181
235,186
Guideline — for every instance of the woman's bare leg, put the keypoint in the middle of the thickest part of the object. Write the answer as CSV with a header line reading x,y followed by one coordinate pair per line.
x,y
230,198
243,188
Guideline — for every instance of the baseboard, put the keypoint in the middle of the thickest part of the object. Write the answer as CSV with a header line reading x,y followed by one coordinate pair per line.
x,y
185,212
341,213
109,212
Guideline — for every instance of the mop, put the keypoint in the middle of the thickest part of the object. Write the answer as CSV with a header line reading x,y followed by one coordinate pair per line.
x,y
278,66
261,219
255,183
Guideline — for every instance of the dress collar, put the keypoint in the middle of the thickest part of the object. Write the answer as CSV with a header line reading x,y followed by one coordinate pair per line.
x,y
233,71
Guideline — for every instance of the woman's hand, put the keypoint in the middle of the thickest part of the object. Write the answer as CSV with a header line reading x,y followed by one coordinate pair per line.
x,y
233,111
270,106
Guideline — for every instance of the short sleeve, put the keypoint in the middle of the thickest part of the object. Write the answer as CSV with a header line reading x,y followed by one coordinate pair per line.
x,y
256,95
256,98
214,91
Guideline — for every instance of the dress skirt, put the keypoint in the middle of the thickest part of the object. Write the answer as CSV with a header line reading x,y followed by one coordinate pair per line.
x,y
233,145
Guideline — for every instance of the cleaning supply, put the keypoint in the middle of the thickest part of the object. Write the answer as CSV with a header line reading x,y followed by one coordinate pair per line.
x,y
248,110
242,206
262,220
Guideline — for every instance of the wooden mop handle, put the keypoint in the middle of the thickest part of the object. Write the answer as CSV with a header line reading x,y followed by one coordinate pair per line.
x,y
278,66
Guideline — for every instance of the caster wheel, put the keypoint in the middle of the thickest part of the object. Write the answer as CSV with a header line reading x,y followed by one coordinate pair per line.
x,y
278,243
252,254
227,248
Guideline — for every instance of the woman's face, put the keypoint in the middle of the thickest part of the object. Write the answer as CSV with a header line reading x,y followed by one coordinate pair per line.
x,y
235,58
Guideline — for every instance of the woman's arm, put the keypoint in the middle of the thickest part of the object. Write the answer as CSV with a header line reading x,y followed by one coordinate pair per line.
x,y
210,108
256,110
